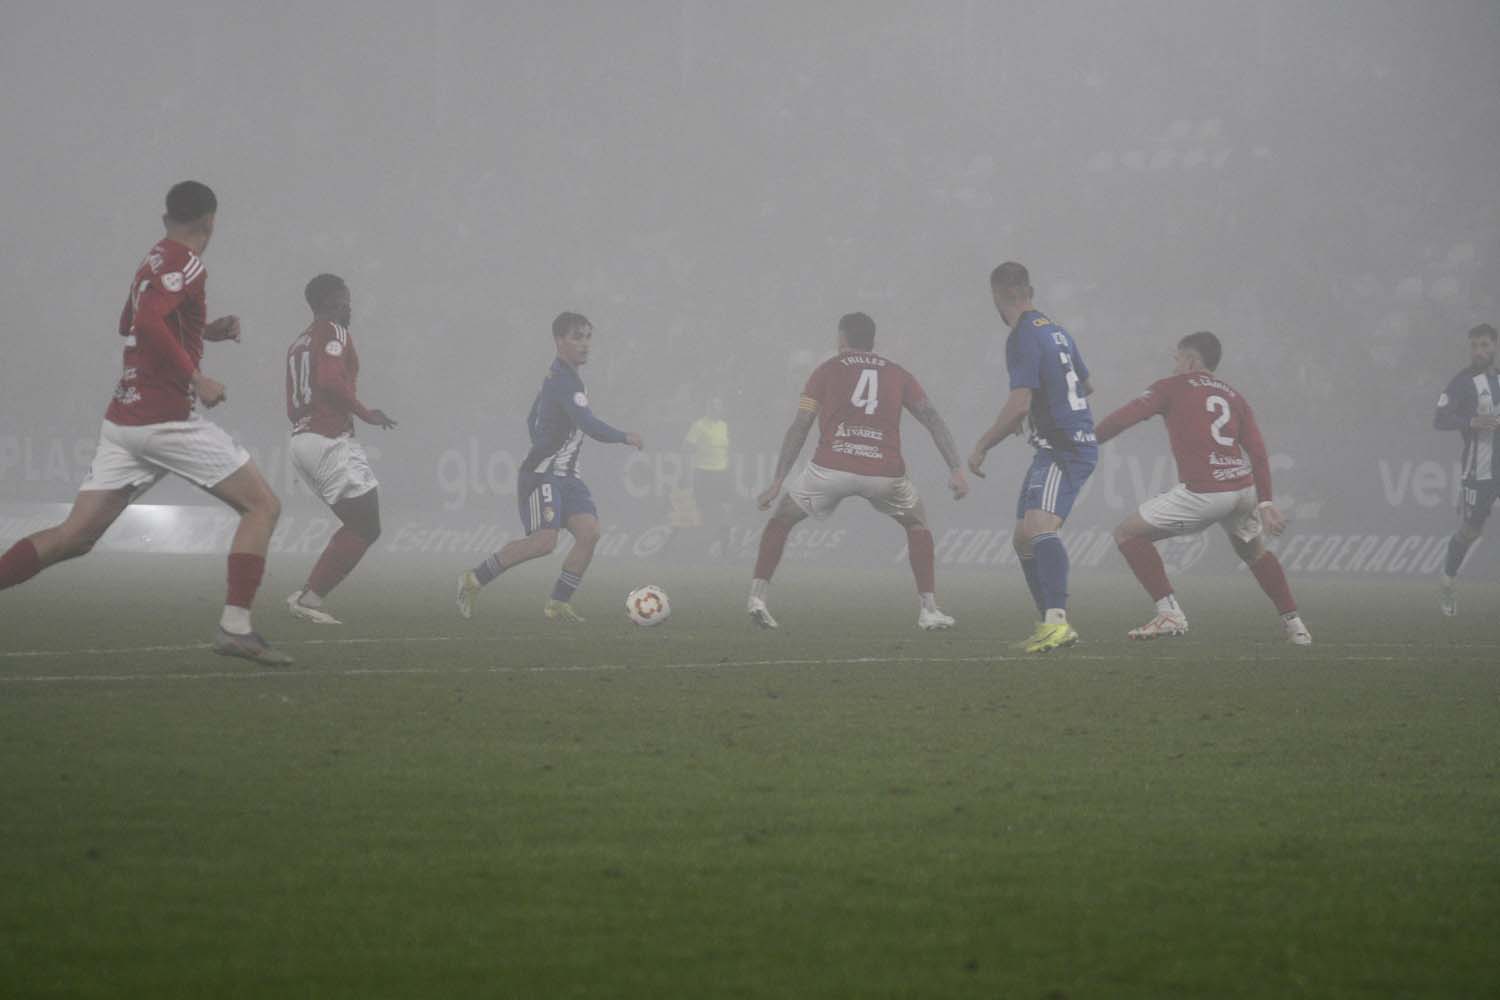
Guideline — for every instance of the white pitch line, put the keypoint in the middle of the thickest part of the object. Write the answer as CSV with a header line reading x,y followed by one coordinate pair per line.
x,y
608,667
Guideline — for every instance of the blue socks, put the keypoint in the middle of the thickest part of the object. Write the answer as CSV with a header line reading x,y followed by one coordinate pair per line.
x,y
1051,560
1457,549
488,570
566,584
1033,582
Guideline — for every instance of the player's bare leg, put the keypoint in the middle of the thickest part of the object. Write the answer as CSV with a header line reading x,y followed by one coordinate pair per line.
x,y
919,550
1266,569
92,513
359,528
1458,549
585,531
772,544
1136,539
247,491
535,545
1037,534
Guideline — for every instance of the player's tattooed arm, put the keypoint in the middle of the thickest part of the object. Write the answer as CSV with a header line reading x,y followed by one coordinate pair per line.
x,y
927,415
791,447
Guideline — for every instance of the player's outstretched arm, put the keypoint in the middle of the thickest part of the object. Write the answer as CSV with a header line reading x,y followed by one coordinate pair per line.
x,y
1138,409
927,415
791,447
223,328
1012,415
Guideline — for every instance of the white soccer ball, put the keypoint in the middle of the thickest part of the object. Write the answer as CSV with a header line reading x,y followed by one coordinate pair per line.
x,y
648,605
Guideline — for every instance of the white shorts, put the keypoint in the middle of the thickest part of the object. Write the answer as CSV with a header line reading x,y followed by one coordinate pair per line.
x,y
1183,512
136,458
818,491
333,468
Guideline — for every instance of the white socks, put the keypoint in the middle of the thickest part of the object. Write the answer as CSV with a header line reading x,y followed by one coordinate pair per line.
x,y
308,599
929,602
1168,606
759,589
235,621
1056,616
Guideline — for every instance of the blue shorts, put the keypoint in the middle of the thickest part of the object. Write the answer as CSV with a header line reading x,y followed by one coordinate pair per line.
x,y
1476,500
1054,480
550,501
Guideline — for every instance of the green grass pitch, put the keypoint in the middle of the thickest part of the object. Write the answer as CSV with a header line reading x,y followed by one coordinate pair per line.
x,y
426,807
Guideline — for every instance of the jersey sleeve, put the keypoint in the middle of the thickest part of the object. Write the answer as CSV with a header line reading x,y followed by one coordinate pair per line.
x,y
695,433
812,392
153,305
576,403
1255,449
1023,359
332,375
1456,406
1143,407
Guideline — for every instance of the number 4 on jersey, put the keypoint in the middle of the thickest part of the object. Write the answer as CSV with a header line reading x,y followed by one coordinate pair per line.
x,y
867,390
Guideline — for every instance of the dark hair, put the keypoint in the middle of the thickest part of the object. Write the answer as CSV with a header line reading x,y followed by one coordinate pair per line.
x,y
190,201
1010,276
566,322
321,287
858,330
1482,330
1206,345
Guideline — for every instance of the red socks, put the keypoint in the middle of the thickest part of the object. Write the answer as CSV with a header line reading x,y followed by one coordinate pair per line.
x,y
343,553
1145,562
1272,579
772,544
19,564
919,550
245,571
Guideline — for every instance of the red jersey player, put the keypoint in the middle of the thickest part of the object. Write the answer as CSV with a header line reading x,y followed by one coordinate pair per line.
x,y
322,400
153,426
857,398
1226,480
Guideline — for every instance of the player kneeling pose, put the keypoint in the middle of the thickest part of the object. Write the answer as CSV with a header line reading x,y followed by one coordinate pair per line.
x,y
857,398
322,398
1226,480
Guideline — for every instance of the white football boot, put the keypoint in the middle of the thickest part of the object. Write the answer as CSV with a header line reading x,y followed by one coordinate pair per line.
x,y
1296,632
759,614
1164,625
468,590
318,616
934,620
1448,593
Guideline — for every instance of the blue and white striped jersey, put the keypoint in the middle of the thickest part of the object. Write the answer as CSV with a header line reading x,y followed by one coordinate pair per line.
x,y
1472,393
559,419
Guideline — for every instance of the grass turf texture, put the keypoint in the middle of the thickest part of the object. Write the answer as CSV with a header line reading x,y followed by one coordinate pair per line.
x,y
522,809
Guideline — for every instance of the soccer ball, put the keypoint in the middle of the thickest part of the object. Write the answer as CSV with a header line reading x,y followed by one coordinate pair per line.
x,y
648,605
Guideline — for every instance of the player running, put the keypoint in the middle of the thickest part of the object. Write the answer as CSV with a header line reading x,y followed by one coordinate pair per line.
x,y
1048,384
857,397
322,400
1471,405
1226,480
549,491
153,426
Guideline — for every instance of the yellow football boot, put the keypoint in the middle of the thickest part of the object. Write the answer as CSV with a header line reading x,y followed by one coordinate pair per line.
x,y
1046,638
562,611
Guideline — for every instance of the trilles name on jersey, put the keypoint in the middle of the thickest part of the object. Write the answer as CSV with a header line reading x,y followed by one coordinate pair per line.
x,y
858,397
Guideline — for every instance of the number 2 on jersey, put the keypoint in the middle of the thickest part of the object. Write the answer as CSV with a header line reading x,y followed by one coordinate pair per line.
x,y
867,391
1075,401
1219,405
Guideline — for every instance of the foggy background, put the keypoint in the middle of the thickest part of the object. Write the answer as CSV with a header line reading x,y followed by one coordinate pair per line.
x,y
713,184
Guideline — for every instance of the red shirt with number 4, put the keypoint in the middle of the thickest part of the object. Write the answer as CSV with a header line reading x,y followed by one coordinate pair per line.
x,y
858,397
1214,436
